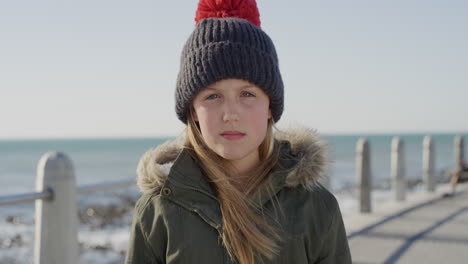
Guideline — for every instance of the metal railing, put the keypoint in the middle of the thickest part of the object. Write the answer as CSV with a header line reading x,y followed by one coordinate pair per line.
x,y
26,197
49,193
105,186
56,222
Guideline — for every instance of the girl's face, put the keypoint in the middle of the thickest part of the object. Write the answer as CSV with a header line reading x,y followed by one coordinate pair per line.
x,y
233,117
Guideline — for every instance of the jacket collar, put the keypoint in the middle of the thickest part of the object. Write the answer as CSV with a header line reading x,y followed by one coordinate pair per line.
x,y
302,162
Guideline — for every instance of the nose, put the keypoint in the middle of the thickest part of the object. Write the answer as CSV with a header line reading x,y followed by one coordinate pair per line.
x,y
231,111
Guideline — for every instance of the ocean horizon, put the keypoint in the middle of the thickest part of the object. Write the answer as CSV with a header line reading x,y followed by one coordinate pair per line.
x,y
104,159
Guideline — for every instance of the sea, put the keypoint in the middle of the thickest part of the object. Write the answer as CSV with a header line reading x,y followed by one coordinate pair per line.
x,y
105,216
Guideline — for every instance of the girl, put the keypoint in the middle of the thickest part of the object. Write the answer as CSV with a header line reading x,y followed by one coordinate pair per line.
x,y
228,190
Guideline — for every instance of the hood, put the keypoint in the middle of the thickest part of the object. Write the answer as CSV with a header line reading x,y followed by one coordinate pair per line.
x,y
304,145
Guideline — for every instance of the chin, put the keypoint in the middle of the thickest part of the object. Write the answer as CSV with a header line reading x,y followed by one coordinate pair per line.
x,y
232,154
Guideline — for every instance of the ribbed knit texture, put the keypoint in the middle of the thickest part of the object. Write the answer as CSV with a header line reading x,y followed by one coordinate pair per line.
x,y
223,48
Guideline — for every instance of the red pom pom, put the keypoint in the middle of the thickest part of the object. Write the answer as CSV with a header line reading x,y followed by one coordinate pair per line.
x,y
246,9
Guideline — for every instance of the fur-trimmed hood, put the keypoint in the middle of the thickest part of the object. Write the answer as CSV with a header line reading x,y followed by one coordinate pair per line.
x,y
305,145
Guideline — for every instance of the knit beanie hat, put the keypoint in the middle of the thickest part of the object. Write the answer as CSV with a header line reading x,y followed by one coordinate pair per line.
x,y
227,42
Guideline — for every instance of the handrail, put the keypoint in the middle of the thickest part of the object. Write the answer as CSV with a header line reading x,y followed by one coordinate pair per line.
x,y
56,223
105,186
26,197
49,193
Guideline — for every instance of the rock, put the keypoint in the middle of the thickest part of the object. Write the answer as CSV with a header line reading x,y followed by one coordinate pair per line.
x,y
13,220
16,241
99,215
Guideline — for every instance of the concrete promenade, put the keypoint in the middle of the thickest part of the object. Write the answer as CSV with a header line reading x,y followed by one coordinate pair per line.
x,y
427,228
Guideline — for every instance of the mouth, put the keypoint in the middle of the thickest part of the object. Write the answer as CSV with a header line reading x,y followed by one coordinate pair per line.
x,y
232,135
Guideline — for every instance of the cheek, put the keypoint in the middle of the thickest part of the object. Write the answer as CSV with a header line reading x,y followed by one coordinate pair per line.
x,y
258,121
206,120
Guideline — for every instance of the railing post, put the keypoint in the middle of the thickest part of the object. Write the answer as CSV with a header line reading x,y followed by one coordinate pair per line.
x,y
459,151
56,239
398,169
429,164
363,173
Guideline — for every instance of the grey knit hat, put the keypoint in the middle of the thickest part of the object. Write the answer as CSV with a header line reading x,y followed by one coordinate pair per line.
x,y
223,48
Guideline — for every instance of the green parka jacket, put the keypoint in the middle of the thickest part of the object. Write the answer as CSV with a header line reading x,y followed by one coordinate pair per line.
x,y
178,219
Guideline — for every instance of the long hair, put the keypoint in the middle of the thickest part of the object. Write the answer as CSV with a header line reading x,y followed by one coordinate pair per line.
x,y
246,234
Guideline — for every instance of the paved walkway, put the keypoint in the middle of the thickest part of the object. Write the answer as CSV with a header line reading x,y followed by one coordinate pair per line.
x,y
433,229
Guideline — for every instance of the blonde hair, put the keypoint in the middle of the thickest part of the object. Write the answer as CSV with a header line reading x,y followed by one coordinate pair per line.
x,y
246,234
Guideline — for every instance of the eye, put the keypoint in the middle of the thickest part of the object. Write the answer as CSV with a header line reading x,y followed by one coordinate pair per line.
x,y
212,96
248,94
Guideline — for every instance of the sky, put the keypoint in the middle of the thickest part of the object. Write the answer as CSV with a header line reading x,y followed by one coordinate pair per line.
x,y
108,68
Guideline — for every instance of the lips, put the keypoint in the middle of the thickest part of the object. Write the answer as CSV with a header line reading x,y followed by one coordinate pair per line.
x,y
232,135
